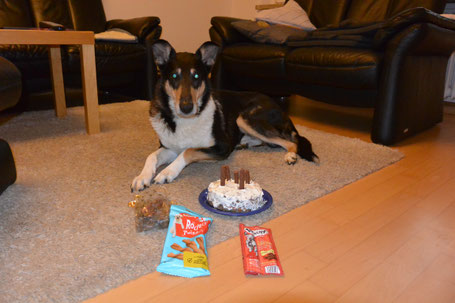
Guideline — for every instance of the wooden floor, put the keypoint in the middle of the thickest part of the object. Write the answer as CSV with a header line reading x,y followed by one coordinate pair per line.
x,y
389,237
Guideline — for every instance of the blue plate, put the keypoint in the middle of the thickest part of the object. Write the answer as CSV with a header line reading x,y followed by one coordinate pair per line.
x,y
203,201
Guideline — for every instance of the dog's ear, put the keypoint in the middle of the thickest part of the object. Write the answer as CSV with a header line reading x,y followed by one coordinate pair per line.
x,y
207,53
162,52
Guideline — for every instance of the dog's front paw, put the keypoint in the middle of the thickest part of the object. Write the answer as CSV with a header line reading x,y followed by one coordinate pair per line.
x,y
141,182
290,158
167,175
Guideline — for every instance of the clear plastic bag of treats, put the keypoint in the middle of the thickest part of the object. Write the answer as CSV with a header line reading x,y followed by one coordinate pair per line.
x,y
151,208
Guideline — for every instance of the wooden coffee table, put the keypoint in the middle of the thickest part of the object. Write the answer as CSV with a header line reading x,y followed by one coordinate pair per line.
x,y
54,39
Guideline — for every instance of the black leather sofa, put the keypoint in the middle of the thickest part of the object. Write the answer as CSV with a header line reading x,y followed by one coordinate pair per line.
x,y
385,54
121,67
10,91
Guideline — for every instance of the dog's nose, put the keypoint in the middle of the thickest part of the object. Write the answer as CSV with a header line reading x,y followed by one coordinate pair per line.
x,y
186,106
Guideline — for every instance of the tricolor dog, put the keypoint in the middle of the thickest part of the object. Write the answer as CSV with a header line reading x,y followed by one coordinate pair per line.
x,y
196,123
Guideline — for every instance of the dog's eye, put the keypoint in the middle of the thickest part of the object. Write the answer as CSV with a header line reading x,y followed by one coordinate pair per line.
x,y
174,76
196,76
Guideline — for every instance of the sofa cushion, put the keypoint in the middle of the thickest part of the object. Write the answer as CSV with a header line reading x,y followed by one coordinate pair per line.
x,y
395,7
31,60
93,21
262,32
24,51
324,13
339,66
112,57
366,11
51,10
291,14
72,14
15,14
265,61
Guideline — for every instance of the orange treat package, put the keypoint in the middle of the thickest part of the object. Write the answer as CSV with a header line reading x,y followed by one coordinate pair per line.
x,y
259,251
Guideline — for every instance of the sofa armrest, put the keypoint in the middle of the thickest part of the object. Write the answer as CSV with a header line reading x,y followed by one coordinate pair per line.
x,y
223,33
140,27
411,84
402,21
423,39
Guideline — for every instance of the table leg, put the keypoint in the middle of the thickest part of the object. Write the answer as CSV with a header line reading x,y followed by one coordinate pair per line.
x,y
90,88
57,80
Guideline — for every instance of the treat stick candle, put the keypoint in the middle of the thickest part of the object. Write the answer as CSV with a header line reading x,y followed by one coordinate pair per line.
x,y
227,173
247,177
236,177
222,176
242,179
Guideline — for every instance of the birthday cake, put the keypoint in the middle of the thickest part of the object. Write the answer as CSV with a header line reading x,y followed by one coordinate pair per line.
x,y
240,194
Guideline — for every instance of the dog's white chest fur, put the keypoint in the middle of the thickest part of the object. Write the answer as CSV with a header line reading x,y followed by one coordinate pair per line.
x,y
189,132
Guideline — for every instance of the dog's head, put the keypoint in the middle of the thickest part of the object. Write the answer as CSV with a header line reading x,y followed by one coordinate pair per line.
x,y
184,76
178,218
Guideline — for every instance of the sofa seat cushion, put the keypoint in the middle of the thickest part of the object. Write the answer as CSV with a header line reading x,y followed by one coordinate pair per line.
x,y
259,60
261,32
112,57
24,52
339,66
32,60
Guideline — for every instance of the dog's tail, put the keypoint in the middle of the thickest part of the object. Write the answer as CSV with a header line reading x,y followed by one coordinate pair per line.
x,y
305,151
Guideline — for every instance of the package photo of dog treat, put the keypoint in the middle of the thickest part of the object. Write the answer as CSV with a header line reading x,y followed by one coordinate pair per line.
x,y
259,252
185,248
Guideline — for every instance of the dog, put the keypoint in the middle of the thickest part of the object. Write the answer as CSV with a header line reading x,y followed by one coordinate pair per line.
x,y
177,221
195,123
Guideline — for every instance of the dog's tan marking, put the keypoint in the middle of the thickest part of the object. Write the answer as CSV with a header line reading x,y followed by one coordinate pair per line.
x,y
196,94
188,156
193,155
153,109
286,144
175,94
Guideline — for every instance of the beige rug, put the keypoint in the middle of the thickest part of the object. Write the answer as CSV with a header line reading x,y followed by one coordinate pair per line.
x,y
66,233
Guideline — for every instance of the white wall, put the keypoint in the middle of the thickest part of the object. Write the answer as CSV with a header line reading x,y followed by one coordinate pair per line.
x,y
185,23
243,8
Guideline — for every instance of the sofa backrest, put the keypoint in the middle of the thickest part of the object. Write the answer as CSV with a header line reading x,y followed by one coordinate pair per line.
x,y
15,13
378,10
325,12
332,12
88,15
49,10
74,14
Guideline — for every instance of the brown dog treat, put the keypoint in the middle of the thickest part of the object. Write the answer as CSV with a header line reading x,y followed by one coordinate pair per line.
x,y
227,172
180,249
236,177
247,177
222,176
242,179
200,241
194,247
187,242
177,256
176,247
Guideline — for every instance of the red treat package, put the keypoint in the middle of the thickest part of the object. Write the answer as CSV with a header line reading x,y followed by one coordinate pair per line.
x,y
259,251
